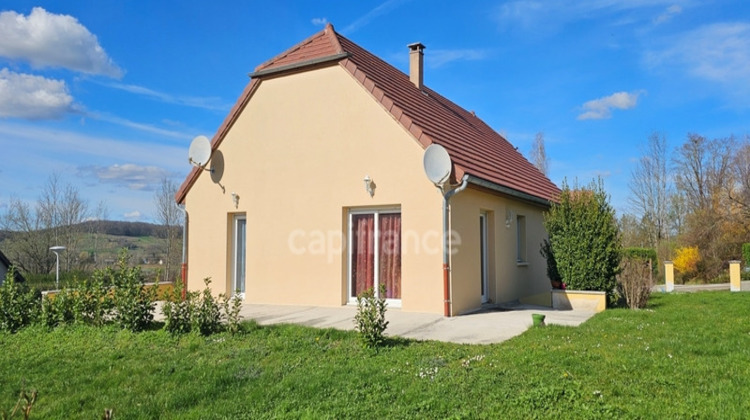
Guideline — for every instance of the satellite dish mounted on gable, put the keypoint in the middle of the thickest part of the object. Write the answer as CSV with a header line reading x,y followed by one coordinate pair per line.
x,y
437,165
200,152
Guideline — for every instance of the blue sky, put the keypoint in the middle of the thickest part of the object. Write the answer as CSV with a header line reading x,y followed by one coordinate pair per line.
x,y
109,94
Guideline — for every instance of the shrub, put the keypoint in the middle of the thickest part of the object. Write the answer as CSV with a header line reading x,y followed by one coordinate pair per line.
x,y
58,310
583,250
635,282
178,312
207,316
746,254
133,303
18,306
643,254
370,318
92,302
232,307
200,312
686,261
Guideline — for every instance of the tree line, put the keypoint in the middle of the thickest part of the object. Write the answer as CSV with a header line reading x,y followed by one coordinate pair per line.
x,y
60,216
691,203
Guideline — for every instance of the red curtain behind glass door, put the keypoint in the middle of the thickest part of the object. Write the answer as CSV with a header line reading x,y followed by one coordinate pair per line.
x,y
363,252
389,254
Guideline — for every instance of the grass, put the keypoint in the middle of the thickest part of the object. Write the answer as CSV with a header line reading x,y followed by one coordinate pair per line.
x,y
686,356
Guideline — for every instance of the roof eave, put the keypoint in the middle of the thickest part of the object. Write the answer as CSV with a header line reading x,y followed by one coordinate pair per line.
x,y
300,65
509,191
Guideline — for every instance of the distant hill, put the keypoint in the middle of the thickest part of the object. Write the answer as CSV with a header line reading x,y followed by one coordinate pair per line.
x,y
112,227
120,228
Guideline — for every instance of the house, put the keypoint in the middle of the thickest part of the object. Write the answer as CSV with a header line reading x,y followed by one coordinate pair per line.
x,y
316,191
5,267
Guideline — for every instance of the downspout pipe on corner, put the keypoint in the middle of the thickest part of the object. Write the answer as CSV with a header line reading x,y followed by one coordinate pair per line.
x,y
446,244
183,270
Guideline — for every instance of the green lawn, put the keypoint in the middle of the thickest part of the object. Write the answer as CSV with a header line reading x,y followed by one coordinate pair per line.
x,y
686,356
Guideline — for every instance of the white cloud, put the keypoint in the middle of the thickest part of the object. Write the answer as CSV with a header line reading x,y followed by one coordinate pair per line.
x,y
598,109
438,58
130,175
718,52
32,97
147,128
50,40
381,9
319,21
210,103
668,14
133,215
72,146
549,14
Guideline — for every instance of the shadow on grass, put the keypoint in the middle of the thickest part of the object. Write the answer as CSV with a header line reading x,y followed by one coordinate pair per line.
x,y
395,342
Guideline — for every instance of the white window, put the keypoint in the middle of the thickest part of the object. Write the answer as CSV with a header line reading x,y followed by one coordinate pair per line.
x,y
239,255
521,239
483,258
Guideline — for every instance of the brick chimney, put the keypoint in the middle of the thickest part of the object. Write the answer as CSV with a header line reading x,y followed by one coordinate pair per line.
x,y
416,64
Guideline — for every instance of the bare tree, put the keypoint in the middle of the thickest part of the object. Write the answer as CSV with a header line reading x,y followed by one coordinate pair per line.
x,y
28,243
739,190
650,188
56,220
702,173
170,217
702,169
539,154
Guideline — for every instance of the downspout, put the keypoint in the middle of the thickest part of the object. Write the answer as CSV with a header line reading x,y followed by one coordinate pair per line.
x,y
446,244
183,270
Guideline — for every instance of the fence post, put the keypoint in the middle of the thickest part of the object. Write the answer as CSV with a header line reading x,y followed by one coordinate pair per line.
x,y
669,276
734,276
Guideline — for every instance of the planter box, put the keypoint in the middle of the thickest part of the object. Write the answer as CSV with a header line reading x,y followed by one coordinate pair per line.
x,y
583,300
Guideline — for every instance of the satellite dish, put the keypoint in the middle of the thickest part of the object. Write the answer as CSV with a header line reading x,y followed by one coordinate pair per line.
x,y
437,164
199,152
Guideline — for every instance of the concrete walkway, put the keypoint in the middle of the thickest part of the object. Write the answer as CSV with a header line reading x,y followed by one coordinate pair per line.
x,y
486,327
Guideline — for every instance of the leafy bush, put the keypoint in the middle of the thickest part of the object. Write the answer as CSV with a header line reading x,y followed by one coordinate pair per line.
x,y
232,307
746,254
178,312
92,301
370,318
686,261
644,254
200,312
58,310
583,249
18,307
133,303
207,316
634,282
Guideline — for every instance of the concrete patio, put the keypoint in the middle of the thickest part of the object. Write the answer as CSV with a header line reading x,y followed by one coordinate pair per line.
x,y
492,325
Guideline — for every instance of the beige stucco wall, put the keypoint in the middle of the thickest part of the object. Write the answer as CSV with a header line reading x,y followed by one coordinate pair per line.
x,y
297,157
508,280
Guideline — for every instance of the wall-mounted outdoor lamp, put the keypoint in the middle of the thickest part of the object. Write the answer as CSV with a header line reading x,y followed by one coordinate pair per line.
x,y
508,218
235,199
369,185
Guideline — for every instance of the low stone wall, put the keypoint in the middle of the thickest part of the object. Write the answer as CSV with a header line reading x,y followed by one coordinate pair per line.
x,y
583,300
163,291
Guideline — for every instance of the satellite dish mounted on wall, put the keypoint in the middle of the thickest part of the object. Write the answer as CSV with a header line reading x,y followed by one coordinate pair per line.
x,y
437,164
199,152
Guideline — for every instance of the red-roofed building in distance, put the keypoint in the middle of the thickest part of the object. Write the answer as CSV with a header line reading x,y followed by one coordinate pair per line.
x,y
318,192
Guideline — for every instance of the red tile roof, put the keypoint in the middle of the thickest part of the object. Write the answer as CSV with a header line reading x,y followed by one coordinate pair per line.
x,y
474,147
